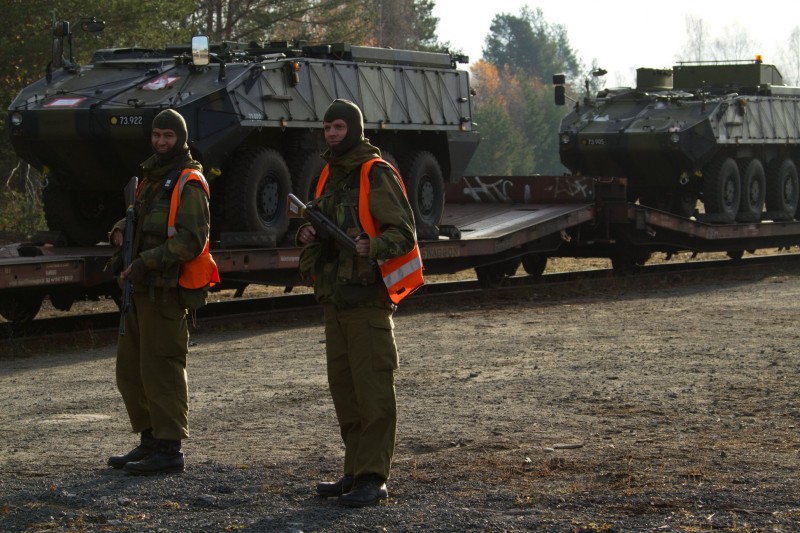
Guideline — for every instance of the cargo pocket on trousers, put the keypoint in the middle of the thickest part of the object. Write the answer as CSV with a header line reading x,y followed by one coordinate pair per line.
x,y
384,350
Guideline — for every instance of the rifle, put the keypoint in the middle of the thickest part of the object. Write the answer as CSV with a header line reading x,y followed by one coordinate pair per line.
x,y
127,248
325,227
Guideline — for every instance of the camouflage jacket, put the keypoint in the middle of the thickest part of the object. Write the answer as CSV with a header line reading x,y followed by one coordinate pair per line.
x,y
340,276
162,257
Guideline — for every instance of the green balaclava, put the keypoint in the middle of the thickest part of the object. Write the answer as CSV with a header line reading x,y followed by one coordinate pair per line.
x,y
351,114
169,119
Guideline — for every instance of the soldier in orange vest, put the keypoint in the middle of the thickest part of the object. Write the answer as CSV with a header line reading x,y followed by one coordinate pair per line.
x,y
171,272
366,198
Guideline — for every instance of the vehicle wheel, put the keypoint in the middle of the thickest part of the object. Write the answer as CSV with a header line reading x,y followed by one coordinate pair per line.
x,y
256,191
684,204
217,205
389,158
782,189
84,217
425,188
721,190
21,310
627,261
305,175
534,264
754,185
495,275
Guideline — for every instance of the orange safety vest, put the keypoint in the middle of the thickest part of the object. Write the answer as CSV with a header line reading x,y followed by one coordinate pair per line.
x,y
202,270
401,275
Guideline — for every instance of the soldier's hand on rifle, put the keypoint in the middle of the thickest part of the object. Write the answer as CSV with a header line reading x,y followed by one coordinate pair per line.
x,y
135,272
307,234
116,238
362,245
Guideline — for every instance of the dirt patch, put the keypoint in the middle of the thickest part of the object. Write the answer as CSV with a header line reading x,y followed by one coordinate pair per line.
x,y
627,406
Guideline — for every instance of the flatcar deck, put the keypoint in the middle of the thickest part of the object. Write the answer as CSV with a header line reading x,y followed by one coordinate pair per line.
x,y
490,224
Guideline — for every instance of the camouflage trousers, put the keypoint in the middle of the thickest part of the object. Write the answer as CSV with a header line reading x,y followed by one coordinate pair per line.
x,y
151,365
362,357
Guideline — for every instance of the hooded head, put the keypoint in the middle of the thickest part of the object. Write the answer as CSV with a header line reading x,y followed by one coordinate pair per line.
x,y
169,119
351,115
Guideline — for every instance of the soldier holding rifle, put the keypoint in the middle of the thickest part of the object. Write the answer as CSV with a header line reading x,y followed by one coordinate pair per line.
x,y
359,286
170,273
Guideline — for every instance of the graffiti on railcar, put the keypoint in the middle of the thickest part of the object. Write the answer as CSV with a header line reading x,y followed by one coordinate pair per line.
x,y
521,189
572,187
479,191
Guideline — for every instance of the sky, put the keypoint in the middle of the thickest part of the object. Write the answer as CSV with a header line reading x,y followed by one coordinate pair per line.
x,y
623,35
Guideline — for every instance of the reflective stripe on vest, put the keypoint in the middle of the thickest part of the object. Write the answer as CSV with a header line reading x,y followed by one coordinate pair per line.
x,y
401,275
202,270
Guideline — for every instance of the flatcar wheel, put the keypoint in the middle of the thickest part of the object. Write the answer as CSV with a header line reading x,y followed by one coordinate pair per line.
x,y
534,264
736,255
495,275
628,261
22,309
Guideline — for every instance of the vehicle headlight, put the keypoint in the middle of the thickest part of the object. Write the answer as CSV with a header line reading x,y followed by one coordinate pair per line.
x,y
674,138
16,119
565,138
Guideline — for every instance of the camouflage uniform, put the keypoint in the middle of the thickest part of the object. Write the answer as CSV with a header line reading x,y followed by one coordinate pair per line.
x,y
151,356
360,346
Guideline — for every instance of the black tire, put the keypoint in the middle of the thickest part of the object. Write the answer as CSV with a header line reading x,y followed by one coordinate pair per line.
x,y
62,299
735,255
628,260
305,174
721,190
782,189
681,202
754,190
256,190
495,275
83,217
390,158
684,203
425,188
20,310
534,264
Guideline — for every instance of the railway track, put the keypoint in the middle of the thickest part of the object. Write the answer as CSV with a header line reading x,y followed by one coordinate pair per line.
x,y
241,312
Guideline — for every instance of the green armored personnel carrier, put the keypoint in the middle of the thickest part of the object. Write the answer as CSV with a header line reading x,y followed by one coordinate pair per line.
x,y
725,133
254,114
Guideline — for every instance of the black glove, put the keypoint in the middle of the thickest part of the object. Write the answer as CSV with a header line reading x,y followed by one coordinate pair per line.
x,y
137,271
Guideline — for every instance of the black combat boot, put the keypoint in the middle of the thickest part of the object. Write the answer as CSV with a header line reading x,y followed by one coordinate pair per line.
x,y
167,459
147,445
367,490
328,489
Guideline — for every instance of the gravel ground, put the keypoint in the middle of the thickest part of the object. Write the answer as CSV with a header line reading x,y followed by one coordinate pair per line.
x,y
620,406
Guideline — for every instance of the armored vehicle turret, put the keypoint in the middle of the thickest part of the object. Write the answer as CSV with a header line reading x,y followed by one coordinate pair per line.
x,y
254,114
725,133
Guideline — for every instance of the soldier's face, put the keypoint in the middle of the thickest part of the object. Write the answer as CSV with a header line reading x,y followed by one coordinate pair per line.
x,y
335,131
163,140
